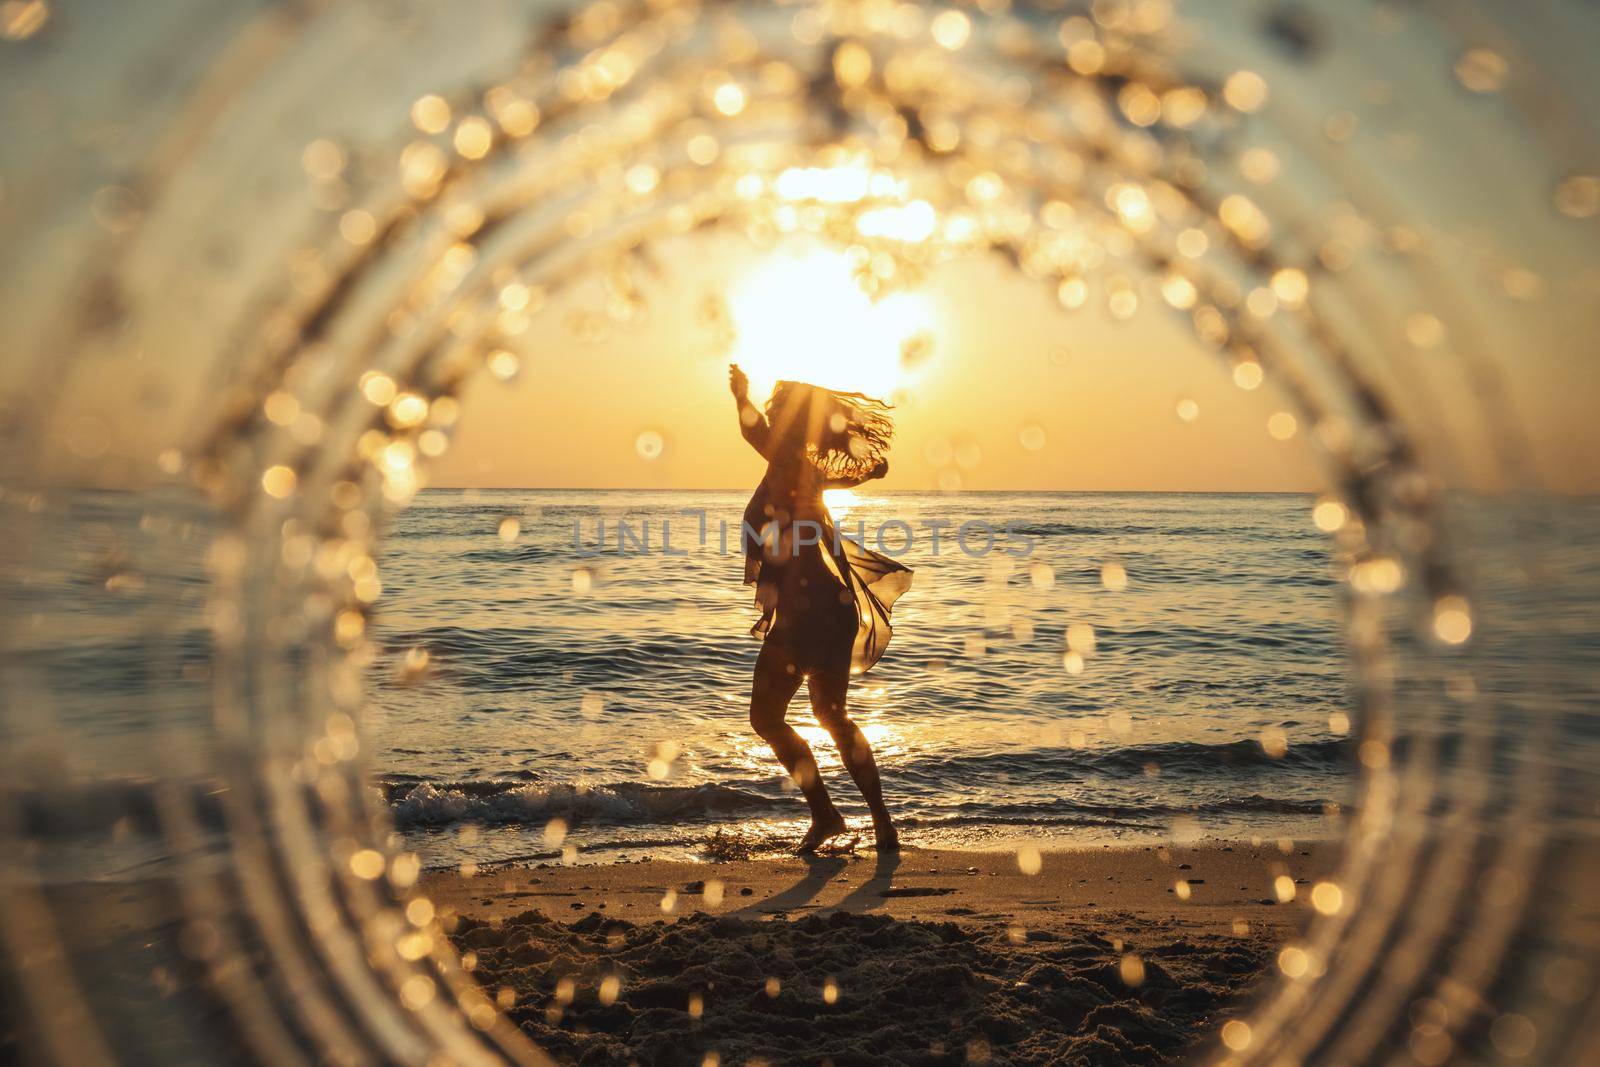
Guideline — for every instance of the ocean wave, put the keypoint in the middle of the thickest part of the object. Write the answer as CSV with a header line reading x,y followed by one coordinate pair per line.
x,y
602,812
521,552
1168,759
462,520
507,659
131,663
1133,529
1142,816
1213,773
425,804
1059,529
498,659
115,805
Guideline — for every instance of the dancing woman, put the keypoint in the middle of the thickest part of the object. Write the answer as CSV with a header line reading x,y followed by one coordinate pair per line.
x,y
824,599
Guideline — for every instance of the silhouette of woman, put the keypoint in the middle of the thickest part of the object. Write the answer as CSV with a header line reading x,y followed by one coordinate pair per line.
x,y
824,599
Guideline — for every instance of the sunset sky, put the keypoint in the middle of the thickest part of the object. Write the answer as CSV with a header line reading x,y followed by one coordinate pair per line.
x,y
1098,398
1015,393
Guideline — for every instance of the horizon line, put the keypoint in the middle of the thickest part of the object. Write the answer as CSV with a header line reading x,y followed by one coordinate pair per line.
x,y
946,492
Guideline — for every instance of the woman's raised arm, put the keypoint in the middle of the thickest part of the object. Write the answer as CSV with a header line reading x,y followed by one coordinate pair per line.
x,y
752,424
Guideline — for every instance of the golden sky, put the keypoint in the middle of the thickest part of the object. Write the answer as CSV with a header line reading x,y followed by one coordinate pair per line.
x,y
1015,393
1515,280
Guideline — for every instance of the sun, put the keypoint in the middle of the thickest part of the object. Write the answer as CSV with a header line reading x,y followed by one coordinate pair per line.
x,y
803,317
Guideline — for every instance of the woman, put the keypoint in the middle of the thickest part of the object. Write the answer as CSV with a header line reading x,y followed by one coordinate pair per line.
x,y
824,600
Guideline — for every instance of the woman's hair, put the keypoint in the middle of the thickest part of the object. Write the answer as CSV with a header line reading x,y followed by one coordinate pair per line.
x,y
845,435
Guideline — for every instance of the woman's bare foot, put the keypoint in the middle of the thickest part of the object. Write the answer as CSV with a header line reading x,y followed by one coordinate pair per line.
x,y
821,830
887,839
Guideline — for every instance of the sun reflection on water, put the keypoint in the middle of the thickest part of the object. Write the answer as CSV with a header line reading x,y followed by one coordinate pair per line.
x,y
839,502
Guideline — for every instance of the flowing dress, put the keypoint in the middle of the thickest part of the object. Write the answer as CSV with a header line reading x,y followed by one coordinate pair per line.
x,y
825,599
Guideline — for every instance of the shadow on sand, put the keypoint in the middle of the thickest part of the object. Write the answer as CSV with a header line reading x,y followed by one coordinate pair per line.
x,y
820,870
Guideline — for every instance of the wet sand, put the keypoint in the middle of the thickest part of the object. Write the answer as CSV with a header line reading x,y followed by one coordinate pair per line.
x,y
1101,957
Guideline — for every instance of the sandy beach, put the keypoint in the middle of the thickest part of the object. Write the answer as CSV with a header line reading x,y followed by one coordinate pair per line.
x,y
1103,956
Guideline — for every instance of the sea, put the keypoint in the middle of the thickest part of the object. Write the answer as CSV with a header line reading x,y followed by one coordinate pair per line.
x,y
1068,668
564,675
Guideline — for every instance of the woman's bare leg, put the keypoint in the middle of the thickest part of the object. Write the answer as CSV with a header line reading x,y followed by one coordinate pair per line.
x,y
828,691
775,684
